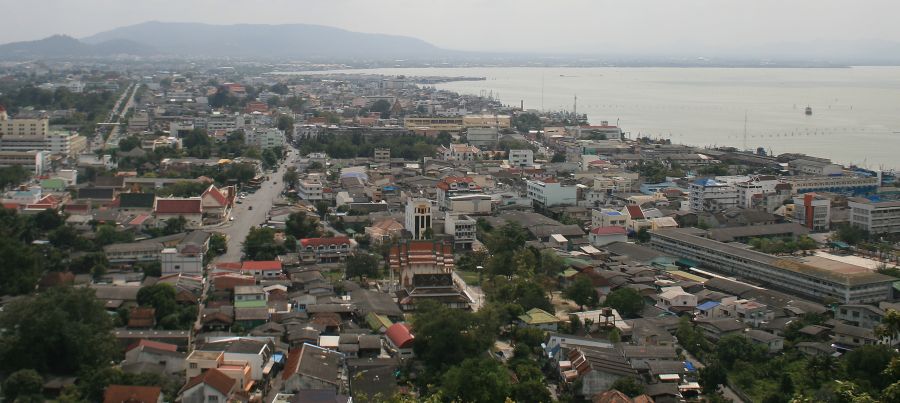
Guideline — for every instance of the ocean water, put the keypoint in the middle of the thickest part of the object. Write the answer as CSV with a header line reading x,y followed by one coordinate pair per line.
x,y
856,111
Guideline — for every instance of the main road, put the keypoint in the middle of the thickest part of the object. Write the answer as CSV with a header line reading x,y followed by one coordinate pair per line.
x,y
245,218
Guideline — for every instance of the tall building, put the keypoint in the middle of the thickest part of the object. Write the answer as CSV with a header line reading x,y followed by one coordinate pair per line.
x,y
418,217
711,195
463,229
37,127
876,217
264,138
813,211
550,192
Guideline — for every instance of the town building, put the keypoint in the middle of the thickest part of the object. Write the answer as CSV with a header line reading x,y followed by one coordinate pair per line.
x,y
310,188
458,152
326,250
483,137
813,211
846,185
550,192
264,137
712,196
819,167
462,228
190,208
876,217
34,161
418,218
521,158
452,186
27,127
813,277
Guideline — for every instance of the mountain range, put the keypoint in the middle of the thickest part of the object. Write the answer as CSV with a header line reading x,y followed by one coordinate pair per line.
x,y
328,44
301,41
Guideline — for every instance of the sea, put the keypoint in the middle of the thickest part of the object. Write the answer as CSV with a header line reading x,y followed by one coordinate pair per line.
x,y
855,111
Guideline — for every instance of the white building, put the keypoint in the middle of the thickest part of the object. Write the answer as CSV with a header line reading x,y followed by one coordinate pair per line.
x,y
711,195
550,192
521,158
310,188
813,211
34,161
458,152
875,217
820,167
754,190
187,261
418,217
602,236
264,138
462,228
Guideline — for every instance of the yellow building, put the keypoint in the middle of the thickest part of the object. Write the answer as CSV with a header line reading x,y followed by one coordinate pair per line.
x,y
498,121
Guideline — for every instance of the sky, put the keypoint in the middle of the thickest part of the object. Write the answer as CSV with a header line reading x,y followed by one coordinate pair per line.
x,y
588,26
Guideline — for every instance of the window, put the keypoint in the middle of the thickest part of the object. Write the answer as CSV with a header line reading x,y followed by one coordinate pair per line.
x,y
212,398
193,365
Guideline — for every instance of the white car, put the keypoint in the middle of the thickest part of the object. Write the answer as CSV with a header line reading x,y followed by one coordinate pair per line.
x,y
231,218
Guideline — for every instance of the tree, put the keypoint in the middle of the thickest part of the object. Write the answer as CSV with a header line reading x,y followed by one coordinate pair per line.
x,y
322,208
161,297
300,226
291,177
361,265
383,107
866,365
628,386
23,385
734,347
531,391
218,244
643,235
626,301
477,380
175,225
712,376
551,264
558,157
48,219
260,244
582,292
890,325
20,270
63,330
446,336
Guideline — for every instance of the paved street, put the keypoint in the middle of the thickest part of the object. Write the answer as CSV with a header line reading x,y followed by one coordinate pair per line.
x,y
244,218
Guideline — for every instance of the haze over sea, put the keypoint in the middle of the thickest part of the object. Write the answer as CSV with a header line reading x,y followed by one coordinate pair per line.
x,y
856,111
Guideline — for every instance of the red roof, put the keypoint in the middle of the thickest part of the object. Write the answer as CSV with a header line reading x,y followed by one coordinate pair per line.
x,y
400,335
154,344
635,211
292,364
213,378
179,206
324,241
261,265
140,219
614,230
214,192
131,394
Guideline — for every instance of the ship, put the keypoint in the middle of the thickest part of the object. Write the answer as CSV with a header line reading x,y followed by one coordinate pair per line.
x,y
808,111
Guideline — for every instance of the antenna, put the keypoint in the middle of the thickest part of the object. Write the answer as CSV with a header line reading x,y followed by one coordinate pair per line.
x,y
542,92
575,110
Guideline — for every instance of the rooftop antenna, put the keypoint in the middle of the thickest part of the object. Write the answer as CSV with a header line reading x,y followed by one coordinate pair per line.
x,y
575,110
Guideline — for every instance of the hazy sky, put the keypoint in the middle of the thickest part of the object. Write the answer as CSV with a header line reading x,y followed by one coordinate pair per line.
x,y
510,25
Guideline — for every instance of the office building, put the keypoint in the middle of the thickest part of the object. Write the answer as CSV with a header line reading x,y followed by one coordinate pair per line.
x,y
813,211
876,217
33,161
462,228
847,185
521,158
550,192
484,137
418,218
712,195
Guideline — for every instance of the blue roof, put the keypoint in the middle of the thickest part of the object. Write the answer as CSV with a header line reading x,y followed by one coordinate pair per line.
x,y
706,182
689,366
612,213
707,305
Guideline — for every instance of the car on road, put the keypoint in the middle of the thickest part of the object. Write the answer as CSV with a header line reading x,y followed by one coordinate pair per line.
x,y
250,208
239,202
231,218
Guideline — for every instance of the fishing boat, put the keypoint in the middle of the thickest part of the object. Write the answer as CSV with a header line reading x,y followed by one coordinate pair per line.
x,y
808,111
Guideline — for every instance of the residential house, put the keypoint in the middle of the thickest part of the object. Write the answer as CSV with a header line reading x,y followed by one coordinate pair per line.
x,y
539,318
211,386
314,367
676,300
326,250
400,339
164,354
132,394
602,236
773,343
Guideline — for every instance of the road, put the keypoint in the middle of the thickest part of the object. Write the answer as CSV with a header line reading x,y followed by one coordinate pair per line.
x,y
473,291
244,218
99,142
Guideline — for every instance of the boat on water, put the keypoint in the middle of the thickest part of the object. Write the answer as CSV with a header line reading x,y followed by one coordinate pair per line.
x,y
808,111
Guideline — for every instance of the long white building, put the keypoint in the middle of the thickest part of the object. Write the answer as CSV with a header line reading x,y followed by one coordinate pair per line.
x,y
876,217
812,277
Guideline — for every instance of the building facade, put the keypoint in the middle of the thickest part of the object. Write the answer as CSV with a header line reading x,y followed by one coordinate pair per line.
x,y
550,192
418,218
875,217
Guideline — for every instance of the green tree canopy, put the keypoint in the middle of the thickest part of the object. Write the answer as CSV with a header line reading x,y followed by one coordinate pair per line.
x,y
160,296
260,244
446,336
625,300
62,331
582,292
477,380
23,385
361,265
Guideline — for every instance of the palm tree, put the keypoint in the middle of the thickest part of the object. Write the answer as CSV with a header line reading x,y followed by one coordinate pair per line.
x,y
890,326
